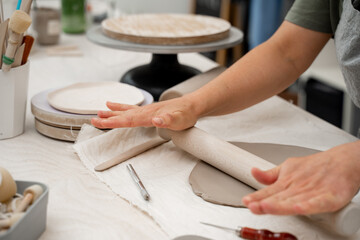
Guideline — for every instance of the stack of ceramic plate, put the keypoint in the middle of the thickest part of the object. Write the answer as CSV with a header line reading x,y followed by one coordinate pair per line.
x,y
55,118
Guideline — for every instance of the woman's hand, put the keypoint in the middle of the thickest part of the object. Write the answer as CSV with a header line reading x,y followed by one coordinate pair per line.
x,y
323,182
175,114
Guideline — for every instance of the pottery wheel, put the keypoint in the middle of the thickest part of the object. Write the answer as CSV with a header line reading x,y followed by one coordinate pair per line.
x,y
96,35
166,29
217,187
164,71
62,125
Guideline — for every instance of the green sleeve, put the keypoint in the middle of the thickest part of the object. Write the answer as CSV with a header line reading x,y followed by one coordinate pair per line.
x,y
311,14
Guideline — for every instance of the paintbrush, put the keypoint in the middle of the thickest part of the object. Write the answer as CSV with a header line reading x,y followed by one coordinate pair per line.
x,y
18,5
19,23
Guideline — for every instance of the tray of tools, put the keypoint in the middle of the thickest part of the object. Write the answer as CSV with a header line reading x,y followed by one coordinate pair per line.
x,y
23,207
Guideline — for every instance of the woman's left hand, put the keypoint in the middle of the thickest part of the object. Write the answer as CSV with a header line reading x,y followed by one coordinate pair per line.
x,y
323,182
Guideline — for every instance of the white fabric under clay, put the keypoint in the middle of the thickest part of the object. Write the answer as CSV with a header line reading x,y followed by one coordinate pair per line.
x,y
165,171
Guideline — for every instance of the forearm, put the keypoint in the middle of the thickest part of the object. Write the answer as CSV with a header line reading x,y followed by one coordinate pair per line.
x,y
349,154
265,71
262,73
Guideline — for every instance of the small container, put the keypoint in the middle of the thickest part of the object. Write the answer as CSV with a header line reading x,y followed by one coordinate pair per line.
x,y
73,16
13,98
33,223
47,25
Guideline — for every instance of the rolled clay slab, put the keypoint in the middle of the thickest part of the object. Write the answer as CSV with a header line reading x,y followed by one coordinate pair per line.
x,y
218,187
166,29
91,97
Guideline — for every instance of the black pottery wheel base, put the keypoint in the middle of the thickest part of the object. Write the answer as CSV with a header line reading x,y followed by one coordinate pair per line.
x,y
163,72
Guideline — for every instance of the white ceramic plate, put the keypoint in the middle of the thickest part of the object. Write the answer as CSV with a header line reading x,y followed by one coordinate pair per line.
x,y
91,97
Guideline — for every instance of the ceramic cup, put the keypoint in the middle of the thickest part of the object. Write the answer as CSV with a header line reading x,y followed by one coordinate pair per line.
x,y
13,98
47,25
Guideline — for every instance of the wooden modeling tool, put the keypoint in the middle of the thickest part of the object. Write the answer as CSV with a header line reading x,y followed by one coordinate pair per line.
x,y
255,234
28,41
132,152
19,23
8,186
30,195
71,50
3,34
13,203
18,56
238,164
26,6
1,11
7,223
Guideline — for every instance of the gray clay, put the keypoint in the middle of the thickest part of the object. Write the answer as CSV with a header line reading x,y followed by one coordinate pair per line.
x,y
218,187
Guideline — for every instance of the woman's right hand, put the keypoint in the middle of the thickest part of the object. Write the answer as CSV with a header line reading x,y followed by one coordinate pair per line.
x,y
174,114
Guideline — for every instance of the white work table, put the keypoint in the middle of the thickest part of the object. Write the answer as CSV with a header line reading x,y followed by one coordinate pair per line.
x,y
81,206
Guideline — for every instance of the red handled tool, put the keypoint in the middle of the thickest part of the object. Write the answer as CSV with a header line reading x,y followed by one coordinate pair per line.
x,y
256,234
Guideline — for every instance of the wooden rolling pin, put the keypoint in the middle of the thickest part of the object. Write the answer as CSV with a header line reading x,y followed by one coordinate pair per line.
x,y
19,23
238,163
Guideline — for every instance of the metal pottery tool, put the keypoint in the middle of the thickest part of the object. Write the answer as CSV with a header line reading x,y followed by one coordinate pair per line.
x,y
19,23
138,182
255,234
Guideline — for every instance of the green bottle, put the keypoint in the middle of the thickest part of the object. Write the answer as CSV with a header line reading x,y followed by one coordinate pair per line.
x,y
73,17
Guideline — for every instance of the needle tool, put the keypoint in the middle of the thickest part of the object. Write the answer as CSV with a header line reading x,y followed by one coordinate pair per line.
x,y
138,182
255,234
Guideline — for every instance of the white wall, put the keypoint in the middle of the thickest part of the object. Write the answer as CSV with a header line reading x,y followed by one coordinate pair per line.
x,y
152,6
118,7
9,7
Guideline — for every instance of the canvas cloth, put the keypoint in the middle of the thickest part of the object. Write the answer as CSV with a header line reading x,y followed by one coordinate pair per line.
x,y
165,169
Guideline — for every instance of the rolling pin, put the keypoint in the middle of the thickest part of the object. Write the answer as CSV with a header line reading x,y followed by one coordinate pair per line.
x,y
238,164
18,24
